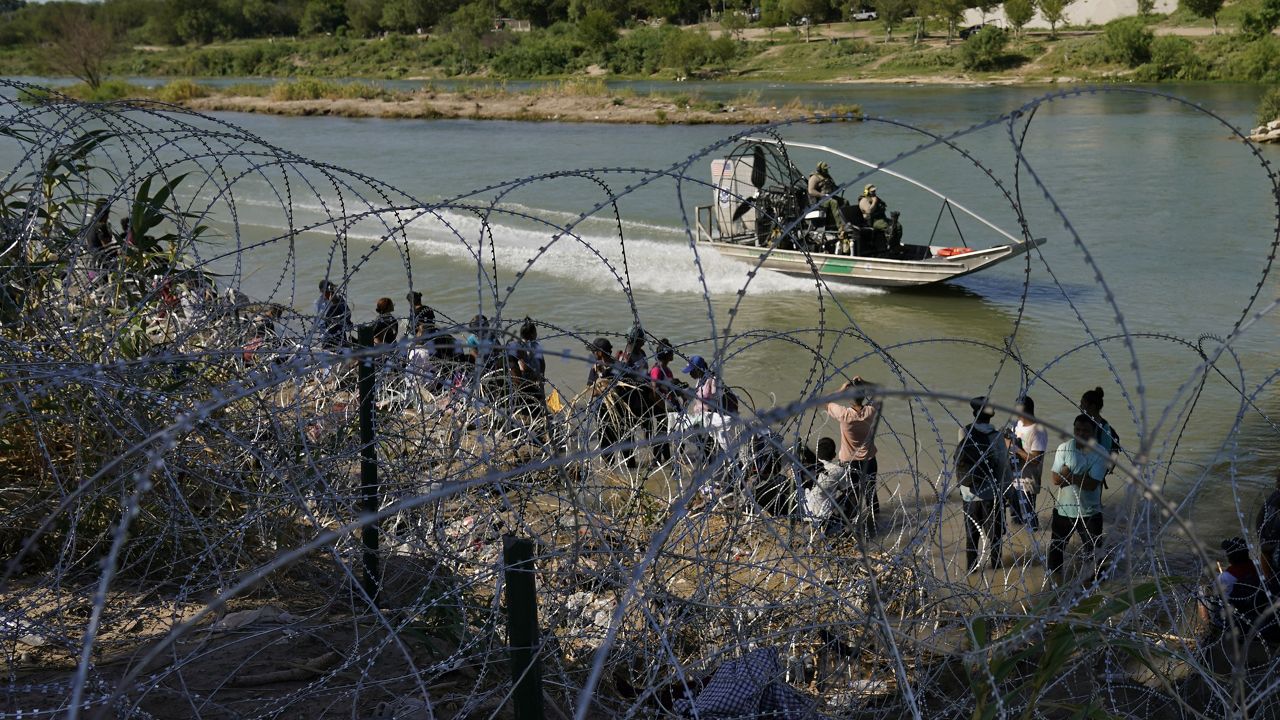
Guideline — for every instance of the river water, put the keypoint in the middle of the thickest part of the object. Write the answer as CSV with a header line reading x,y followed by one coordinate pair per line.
x,y
1173,224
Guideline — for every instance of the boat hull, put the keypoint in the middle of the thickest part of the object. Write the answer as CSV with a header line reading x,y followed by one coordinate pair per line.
x,y
875,272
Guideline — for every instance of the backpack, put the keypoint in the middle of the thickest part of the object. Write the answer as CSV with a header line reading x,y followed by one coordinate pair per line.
x,y
729,400
976,462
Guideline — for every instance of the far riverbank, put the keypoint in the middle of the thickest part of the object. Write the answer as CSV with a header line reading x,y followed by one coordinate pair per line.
x,y
571,101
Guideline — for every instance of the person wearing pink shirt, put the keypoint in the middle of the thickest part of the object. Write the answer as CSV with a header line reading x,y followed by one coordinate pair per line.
x,y
858,421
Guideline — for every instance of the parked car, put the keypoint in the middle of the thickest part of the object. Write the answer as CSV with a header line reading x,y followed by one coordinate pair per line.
x,y
861,15
971,30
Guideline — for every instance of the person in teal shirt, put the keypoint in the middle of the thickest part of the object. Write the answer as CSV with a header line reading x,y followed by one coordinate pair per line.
x,y
1077,474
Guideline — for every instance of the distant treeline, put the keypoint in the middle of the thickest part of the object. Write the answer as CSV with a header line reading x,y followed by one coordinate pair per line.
x,y
178,22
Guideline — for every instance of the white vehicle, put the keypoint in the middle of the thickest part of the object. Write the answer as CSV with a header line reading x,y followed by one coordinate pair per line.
x,y
862,15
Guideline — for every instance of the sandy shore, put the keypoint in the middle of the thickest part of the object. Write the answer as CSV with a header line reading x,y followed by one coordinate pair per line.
x,y
637,109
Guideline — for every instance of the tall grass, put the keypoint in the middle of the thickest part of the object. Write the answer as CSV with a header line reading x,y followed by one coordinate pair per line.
x,y
311,89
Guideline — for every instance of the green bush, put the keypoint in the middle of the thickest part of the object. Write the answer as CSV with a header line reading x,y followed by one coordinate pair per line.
x,y
1173,58
639,52
1128,41
539,53
1269,106
924,59
984,50
1259,61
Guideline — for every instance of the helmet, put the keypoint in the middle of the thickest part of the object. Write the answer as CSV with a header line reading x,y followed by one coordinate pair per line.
x,y
869,189
824,168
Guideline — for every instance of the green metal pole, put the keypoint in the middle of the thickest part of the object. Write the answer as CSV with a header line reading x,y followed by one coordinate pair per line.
x,y
369,501
522,627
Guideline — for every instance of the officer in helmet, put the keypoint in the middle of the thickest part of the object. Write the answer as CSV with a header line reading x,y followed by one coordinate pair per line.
x,y
821,186
873,208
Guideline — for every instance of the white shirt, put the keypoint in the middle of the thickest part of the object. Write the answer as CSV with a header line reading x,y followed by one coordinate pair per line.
x,y
1034,438
821,500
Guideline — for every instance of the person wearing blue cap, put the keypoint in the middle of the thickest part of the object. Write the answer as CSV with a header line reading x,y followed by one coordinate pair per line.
x,y
705,389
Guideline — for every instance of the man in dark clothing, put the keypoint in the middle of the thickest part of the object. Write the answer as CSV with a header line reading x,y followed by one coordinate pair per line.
x,y
600,379
982,465
420,314
385,327
335,315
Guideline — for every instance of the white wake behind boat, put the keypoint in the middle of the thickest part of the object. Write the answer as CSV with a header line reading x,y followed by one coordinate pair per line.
x,y
763,215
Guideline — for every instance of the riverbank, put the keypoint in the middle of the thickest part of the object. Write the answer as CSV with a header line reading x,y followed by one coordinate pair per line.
x,y
532,107
571,101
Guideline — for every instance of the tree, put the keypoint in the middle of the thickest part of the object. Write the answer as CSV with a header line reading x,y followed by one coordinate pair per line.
x,y
322,16
1207,9
733,22
596,30
1019,13
1260,24
540,13
469,23
1054,12
79,46
364,17
404,16
815,10
951,12
1146,7
198,22
891,13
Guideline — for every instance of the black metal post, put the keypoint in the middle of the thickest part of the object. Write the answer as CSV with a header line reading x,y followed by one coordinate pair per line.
x,y
369,501
522,627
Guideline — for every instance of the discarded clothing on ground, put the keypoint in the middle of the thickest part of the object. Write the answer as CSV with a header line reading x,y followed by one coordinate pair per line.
x,y
749,687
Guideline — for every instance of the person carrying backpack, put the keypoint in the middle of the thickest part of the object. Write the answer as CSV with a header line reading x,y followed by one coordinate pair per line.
x,y
982,466
1105,435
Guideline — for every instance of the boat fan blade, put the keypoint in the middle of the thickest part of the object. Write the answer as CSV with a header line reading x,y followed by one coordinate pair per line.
x,y
758,162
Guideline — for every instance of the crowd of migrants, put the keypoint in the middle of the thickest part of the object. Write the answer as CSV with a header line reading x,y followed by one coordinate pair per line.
x,y
1000,470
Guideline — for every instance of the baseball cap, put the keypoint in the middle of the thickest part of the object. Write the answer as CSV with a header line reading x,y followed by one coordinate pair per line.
x,y
695,362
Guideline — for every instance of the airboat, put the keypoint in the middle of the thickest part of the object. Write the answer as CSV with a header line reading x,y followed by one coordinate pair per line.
x,y
762,214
